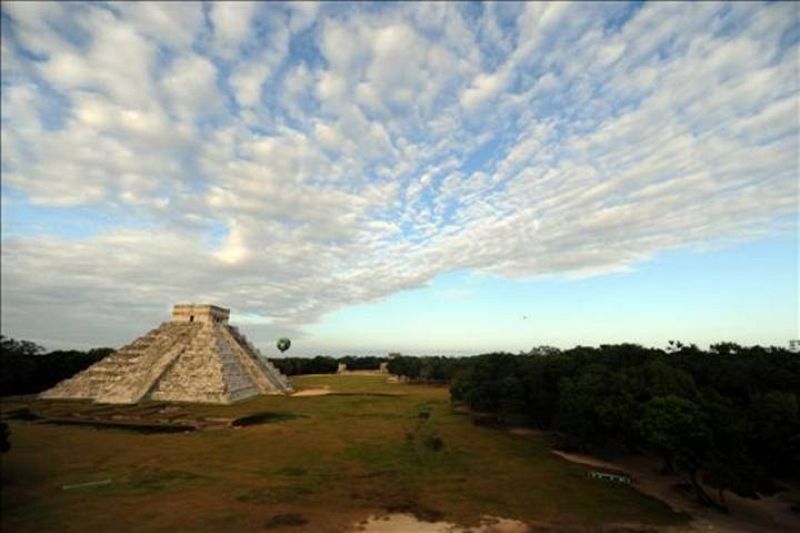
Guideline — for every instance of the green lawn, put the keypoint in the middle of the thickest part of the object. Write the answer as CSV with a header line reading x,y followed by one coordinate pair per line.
x,y
329,460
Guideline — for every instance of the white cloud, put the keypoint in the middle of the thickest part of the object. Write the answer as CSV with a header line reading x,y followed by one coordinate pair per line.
x,y
118,63
374,149
484,87
176,24
32,24
191,83
234,250
232,23
250,75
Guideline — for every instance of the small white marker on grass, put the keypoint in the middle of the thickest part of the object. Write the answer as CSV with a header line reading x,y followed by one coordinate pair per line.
x,y
87,484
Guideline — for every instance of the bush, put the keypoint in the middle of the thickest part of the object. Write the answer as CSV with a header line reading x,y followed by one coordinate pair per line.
x,y
433,442
5,437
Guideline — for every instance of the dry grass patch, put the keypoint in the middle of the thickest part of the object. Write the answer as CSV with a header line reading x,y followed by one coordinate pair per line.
x,y
328,460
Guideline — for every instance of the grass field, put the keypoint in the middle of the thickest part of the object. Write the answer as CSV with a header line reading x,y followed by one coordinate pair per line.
x,y
323,464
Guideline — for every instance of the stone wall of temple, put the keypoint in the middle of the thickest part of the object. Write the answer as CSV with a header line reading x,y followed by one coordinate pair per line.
x,y
200,313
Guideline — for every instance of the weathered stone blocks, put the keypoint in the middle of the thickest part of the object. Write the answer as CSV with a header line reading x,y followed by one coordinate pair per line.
x,y
195,357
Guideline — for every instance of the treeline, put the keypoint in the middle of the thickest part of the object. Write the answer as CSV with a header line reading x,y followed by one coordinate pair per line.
x,y
323,364
293,366
427,369
359,362
26,368
727,416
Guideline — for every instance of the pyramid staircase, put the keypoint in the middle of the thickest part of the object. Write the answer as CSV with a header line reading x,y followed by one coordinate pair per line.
x,y
267,369
205,360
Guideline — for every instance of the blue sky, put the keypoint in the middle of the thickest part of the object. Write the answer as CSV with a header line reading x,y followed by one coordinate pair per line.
x,y
443,177
747,293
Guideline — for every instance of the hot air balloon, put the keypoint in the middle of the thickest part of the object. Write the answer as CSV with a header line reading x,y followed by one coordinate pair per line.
x,y
284,344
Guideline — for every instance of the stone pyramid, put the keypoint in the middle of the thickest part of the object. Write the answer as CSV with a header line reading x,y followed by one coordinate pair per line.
x,y
195,357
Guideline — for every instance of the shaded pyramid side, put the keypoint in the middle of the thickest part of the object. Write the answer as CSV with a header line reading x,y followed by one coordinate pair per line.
x,y
206,371
265,375
118,377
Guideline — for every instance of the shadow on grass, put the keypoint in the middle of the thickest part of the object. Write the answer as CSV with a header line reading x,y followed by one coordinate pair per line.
x,y
265,418
125,426
281,494
368,394
286,520
23,414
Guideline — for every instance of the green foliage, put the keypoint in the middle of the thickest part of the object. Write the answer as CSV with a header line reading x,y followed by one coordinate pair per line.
x,y
322,364
369,362
729,414
10,346
429,369
678,428
26,369
773,426
423,432
294,366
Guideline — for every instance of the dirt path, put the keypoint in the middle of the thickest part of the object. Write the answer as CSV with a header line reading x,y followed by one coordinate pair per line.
x,y
767,514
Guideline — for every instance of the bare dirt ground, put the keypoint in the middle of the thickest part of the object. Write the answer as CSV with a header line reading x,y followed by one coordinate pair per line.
x,y
405,523
766,514
319,391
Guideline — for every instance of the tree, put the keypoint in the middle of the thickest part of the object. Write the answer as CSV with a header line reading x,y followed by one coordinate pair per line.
x,y
512,397
18,365
578,416
679,430
9,347
772,432
729,415
544,351
25,369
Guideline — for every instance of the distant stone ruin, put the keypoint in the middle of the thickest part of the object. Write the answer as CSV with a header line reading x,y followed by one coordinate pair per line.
x,y
195,357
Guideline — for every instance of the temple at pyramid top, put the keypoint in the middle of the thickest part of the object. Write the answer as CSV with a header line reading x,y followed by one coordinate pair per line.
x,y
195,357
200,313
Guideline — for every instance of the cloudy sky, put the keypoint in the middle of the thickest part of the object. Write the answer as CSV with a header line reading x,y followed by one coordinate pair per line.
x,y
417,177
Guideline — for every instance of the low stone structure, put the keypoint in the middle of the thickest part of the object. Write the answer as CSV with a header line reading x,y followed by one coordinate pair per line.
x,y
195,357
618,478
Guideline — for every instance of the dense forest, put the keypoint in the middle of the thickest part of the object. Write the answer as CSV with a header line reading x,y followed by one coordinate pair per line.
x,y
428,369
323,364
293,366
727,416
25,367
